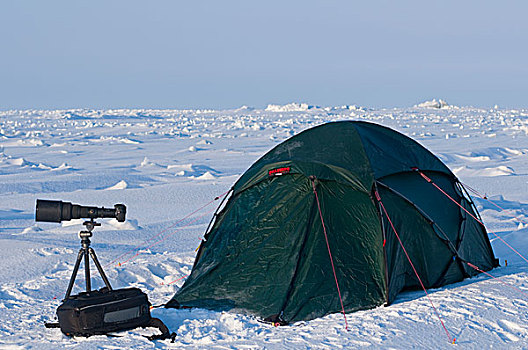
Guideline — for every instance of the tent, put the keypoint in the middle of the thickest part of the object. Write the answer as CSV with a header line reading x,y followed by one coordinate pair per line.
x,y
310,213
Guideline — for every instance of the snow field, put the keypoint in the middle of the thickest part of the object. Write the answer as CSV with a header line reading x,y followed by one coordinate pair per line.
x,y
164,164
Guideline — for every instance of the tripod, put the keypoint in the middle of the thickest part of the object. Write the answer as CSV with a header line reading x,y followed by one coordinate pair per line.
x,y
86,252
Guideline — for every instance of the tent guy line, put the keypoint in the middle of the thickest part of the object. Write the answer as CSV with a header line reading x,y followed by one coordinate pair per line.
x,y
378,198
313,178
473,216
144,244
485,197
166,237
497,278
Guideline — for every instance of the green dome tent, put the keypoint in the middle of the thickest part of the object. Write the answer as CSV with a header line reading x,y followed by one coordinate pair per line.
x,y
266,253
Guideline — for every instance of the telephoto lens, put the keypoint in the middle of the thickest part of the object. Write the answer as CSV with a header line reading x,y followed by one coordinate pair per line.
x,y
57,211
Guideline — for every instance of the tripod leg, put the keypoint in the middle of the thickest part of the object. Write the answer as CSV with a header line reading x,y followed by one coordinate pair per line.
x,y
74,273
87,271
99,268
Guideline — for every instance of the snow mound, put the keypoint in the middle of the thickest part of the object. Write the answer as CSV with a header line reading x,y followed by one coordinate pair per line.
x,y
108,225
47,251
500,170
17,161
129,141
31,229
8,160
73,222
31,142
433,104
473,158
206,176
113,139
290,107
121,185
193,171
63,166
348,108
125,226
16,165
244,108
204,142
145,163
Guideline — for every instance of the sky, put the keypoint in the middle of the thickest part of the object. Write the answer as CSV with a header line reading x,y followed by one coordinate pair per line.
x,y
226,54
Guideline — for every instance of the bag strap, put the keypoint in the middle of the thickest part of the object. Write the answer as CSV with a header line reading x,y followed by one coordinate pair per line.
x,y
165,333
51,324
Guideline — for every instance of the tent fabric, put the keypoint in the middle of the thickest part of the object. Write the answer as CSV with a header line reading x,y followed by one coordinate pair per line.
x,y
266,253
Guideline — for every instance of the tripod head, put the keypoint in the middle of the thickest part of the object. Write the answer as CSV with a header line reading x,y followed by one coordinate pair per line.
x,y
90,225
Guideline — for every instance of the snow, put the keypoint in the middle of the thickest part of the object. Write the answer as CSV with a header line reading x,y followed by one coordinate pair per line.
x,y
290,107
121,185
433,104
166,164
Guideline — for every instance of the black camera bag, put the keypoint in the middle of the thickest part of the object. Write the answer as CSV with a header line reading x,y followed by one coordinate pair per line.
x,y
103,311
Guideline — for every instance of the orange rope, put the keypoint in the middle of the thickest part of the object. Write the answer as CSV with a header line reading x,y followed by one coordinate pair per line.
x,y
451,340
470,214
330,254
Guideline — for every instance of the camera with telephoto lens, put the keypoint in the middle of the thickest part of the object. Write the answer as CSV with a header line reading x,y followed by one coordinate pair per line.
x,y
57,211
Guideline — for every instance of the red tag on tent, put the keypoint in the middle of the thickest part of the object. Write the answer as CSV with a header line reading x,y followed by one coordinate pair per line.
x,y
279,171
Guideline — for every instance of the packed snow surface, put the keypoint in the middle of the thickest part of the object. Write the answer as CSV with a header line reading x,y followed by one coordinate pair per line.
x,y
166,164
